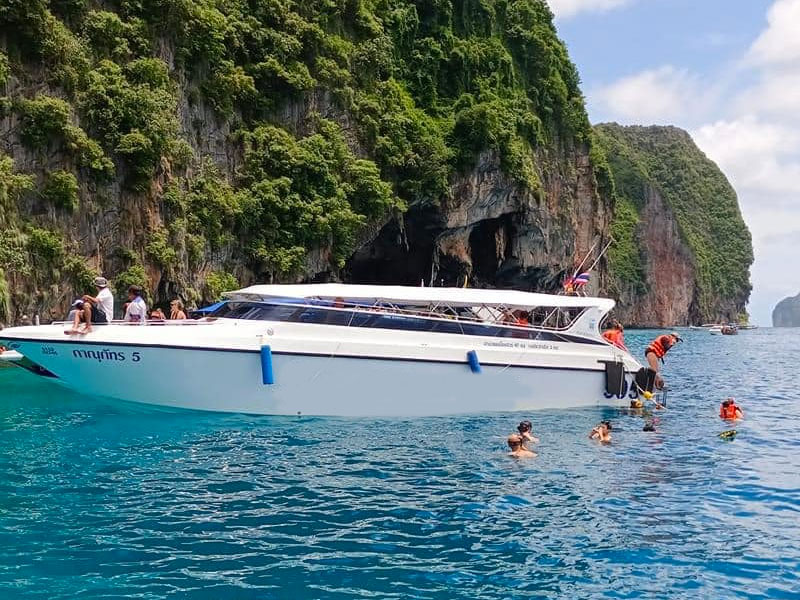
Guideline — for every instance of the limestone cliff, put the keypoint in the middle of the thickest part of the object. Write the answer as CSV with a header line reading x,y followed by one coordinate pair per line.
x,y
195,145
682,253
492,231
787,312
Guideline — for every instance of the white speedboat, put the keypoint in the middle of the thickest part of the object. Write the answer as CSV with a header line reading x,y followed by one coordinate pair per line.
x,y
723,330
350,350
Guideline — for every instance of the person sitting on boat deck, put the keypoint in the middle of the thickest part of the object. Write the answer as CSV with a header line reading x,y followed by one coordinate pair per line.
x,y
157,315
615,334
80,312
136,311
74,309
525,429
176,310
602,432
102,305
656,351
518,450
729,411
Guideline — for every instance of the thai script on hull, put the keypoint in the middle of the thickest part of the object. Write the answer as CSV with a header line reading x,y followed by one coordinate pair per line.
x,y
106,355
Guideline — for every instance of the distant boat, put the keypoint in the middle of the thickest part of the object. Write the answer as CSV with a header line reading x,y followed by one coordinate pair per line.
x,y
744,327
723,330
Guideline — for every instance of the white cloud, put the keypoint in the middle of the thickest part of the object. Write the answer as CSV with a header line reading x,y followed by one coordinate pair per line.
x,y
758,156
779,43
563,9
776,92
659,95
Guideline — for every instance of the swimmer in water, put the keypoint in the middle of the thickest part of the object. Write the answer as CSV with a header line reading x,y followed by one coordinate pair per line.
x,y
517,449
729,411
602,432
525,432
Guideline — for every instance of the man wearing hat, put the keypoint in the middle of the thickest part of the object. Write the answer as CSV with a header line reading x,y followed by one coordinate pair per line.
x,y
656,351
102,305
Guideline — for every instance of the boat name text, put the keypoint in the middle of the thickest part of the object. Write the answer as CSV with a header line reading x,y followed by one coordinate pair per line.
x,y
108,355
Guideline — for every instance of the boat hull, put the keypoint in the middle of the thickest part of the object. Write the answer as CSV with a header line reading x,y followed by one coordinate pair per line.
x,y
231,381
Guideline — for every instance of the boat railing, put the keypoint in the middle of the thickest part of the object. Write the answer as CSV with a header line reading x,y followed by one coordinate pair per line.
x,y
562,318
149,322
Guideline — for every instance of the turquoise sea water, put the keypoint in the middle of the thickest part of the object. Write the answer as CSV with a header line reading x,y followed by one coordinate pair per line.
x,y
111,500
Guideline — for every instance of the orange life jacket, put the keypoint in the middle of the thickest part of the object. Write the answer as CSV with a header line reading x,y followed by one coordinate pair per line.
x,y
616,337
728,412
660,346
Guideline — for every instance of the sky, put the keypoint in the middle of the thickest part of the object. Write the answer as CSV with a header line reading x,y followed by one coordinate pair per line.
x,y
727,71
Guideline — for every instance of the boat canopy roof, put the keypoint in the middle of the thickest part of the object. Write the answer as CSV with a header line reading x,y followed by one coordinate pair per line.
x,y
417,296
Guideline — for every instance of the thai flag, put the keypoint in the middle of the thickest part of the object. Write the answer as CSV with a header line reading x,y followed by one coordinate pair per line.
x,y
581,280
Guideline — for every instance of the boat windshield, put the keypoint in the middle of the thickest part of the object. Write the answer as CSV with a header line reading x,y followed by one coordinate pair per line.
x,y
462,320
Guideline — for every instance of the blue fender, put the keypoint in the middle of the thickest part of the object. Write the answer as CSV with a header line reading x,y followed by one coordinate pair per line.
x,y
267,376
474,363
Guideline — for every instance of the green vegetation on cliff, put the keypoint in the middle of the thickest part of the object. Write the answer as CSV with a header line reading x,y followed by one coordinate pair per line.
x,y
704,204
409,93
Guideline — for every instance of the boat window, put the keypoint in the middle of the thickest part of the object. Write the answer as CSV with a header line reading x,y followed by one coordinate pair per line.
x,y
253,311
377,318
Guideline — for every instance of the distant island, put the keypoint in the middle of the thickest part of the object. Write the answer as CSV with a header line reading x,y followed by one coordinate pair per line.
x,y
787,312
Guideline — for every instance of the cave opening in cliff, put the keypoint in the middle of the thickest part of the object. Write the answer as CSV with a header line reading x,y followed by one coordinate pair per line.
x,y
490,250
400,254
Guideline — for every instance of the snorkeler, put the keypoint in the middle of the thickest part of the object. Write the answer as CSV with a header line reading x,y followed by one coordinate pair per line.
x,y
525,431
517,449
729,411
602,432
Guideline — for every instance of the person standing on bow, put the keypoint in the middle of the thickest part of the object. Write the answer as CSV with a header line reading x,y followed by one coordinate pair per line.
x,y
655,352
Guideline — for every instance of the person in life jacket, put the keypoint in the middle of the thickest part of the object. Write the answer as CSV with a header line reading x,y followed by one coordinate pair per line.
x,y
656,351
615,334
729,411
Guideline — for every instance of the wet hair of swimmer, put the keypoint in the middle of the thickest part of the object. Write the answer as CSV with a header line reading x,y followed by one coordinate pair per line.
x,y
727,402
524,426
514,441
649,426
607,424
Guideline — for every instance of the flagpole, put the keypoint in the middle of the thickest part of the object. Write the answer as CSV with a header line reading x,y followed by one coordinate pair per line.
x,y
585,259
599,256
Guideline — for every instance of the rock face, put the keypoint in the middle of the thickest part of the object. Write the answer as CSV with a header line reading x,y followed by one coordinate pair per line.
x,y
682,251
787,312
493,231
669,270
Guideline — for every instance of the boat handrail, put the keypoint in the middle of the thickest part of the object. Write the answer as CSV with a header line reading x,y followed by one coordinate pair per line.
x,y
395,310
157,322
